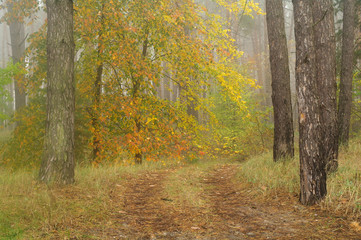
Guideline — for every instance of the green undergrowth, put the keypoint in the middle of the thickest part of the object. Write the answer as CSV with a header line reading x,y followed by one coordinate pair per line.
x,y
28,209
344,186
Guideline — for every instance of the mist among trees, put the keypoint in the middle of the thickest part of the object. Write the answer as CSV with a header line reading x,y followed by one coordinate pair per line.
x,y
232,92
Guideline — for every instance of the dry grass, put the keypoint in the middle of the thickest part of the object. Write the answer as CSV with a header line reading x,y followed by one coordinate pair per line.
x,y
263,172
185,185
28,208
344,186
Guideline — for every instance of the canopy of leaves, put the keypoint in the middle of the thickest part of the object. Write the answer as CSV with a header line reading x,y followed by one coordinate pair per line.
x,y
131,47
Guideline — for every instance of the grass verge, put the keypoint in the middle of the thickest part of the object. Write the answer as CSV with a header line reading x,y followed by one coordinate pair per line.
x,y
28,209
344,186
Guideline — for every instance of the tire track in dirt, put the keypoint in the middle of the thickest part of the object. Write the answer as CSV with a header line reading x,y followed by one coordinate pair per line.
x,y
147,212
142,209
239,215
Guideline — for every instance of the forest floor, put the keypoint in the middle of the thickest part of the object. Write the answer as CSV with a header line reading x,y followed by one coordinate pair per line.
x,y
153,204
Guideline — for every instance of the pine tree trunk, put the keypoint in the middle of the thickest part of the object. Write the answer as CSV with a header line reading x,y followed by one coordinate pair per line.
x,y
345,98
325,47
283,146
58,160
312,166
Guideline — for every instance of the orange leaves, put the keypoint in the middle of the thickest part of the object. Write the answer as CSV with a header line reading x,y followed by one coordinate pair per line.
x,y
143,125
18,11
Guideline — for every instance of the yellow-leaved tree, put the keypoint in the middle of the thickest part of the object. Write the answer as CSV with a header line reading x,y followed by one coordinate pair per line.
x,y
146,74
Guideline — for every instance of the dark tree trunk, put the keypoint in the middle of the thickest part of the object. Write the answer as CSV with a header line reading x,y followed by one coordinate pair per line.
x,y
17,35
58,161
312,166
345,97
283,145
325,47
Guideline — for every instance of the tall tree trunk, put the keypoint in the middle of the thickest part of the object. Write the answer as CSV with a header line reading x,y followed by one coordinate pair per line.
x,y
267,69
3,46
312,167
4,54
325,47
138,157
345,98
97,90
96,105
58,160
283,145
17,36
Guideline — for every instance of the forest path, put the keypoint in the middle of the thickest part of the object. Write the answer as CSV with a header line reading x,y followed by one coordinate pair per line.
x,y
145,212
231,211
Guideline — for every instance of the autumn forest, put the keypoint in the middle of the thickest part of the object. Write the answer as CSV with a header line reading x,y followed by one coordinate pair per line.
x,y
180,119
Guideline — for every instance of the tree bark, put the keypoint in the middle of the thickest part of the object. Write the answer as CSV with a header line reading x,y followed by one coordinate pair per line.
x,y
17,36
283,146
58,160
312,165
345,97
325,50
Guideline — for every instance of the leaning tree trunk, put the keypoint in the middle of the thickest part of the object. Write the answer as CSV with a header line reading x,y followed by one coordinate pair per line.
x,y
17,36
345,98
283,145
312,166
58,160
325,47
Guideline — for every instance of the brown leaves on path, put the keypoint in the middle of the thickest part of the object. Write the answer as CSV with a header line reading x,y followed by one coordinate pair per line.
x,y
146,205
147,212
242,214
233,209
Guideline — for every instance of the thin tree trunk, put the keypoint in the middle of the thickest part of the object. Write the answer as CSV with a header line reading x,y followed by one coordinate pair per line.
x,y
283,146
138,157
3,46
97,91
325,47
345,98
267,69
312,167
3,61
17,35
96,105
58,160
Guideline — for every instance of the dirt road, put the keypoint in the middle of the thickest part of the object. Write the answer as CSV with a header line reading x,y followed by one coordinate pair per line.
x,y
143,210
